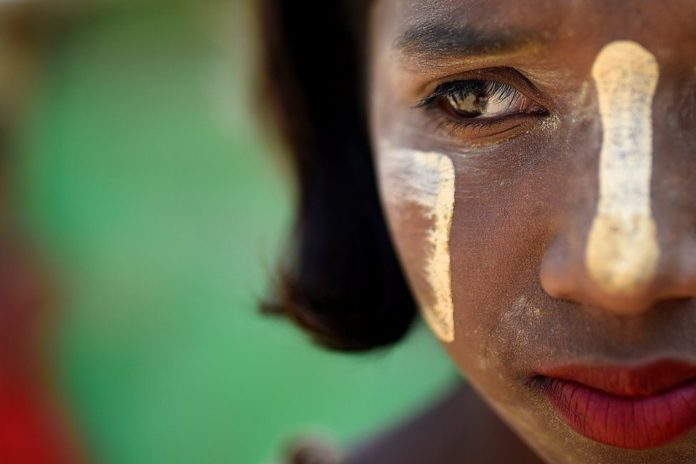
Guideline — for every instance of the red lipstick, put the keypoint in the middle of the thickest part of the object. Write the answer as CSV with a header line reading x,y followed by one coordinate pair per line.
x,y
638,407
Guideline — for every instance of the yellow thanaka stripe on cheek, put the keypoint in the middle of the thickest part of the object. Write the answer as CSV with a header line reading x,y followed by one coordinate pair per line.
x,y
622,249
427,180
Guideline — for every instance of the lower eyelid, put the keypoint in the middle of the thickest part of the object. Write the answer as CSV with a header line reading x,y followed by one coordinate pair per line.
x,y
481,130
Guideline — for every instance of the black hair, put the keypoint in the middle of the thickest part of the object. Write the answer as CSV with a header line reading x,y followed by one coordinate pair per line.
x,y
341,281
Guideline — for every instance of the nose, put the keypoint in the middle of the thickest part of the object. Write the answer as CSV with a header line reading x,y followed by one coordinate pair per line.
x,y
565,273
635,245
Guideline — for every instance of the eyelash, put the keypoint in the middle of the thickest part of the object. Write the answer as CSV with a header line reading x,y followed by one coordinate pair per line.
x,y
461,91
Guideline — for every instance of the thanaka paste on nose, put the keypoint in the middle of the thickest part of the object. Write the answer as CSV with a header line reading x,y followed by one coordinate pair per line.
x,y
622,250
427,180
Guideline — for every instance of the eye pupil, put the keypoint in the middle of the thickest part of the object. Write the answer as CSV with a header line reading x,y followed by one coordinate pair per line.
x,y
470,100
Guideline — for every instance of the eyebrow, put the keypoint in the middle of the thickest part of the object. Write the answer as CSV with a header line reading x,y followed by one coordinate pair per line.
x,y
432,41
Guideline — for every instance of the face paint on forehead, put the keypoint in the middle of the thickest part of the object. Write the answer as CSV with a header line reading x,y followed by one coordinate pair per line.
x,y
622,249
425,180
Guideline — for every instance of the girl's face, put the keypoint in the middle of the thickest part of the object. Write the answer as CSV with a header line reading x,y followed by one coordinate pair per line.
x,y
538,167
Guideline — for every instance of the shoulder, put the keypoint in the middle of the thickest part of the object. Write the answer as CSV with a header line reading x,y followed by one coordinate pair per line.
x,y
458,428
313,450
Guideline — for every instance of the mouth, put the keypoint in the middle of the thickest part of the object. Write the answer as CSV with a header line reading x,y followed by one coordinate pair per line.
x,y
636,408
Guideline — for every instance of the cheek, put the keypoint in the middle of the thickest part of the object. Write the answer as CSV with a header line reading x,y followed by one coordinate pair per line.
x,y
418,192
471,259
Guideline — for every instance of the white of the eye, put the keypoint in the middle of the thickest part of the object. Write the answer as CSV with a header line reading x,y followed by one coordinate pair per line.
x,y
498,106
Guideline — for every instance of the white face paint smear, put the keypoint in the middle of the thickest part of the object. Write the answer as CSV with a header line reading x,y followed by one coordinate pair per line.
x,y
622,249
426,180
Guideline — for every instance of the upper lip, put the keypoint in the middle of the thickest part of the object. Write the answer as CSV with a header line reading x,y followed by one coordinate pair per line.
x,y
632,381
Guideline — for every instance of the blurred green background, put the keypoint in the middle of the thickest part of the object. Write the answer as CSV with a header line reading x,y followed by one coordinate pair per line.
x,y
146,180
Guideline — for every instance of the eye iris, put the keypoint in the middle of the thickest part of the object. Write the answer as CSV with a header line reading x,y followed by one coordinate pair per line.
x,y
471,100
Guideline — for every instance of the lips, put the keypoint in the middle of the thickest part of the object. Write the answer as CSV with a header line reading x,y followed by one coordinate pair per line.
x,y
635,408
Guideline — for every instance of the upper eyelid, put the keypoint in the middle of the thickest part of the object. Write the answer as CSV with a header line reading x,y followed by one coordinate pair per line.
x,y
447,88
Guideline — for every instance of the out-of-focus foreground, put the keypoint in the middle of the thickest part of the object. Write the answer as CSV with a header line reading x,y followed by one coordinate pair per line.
x,y
141,179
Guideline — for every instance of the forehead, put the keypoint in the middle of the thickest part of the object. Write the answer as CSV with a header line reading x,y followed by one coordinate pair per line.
x,y
546,18
411,13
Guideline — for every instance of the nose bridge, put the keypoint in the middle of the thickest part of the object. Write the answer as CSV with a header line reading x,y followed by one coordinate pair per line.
x,y
622,250
617,260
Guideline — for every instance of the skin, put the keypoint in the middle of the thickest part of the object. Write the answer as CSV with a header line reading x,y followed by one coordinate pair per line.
x,y
459,428
426,181
622,248
527,191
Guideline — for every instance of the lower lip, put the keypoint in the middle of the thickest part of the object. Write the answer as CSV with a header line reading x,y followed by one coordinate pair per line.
x,y
625,422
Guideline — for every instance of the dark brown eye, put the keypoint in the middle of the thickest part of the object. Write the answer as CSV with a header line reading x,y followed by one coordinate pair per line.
x,y
483,99
470,100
